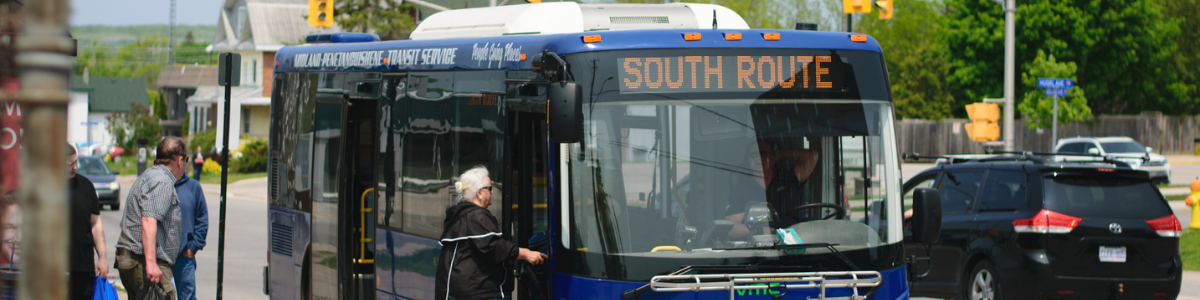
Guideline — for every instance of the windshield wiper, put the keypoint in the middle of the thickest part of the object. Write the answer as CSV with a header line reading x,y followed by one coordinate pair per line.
x,y
829,246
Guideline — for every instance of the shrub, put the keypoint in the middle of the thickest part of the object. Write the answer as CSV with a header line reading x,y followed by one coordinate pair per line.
x,y
211,167
205,140
126,128
253,157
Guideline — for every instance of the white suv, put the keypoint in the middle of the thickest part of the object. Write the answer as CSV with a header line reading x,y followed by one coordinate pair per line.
x,y
1124,148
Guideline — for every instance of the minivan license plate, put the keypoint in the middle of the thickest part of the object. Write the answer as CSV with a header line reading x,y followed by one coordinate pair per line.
x,y
1112,254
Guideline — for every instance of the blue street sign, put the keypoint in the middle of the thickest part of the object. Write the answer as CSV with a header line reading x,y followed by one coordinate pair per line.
x,y
1061,92
89,123
1055,83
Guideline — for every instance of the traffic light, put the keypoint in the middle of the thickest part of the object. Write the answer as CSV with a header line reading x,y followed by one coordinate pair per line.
x,y
885,9
983,126
856,6
320,13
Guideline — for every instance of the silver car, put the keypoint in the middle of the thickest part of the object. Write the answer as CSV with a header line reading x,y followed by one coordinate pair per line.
x,y
1124,148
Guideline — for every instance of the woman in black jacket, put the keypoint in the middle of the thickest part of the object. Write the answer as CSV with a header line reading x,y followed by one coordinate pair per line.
x,y
474,253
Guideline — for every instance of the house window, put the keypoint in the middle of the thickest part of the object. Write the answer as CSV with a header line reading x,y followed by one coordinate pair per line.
x,y
245,121
241,20
254,72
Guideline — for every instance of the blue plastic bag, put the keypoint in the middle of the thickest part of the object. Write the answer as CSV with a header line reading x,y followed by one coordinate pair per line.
x,y
104,290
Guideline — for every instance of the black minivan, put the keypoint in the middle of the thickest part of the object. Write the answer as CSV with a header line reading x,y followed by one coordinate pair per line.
x,y
1022,228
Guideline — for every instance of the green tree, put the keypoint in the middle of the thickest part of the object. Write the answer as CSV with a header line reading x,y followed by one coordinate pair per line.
x,y
158,106
1123,49
390,19
1038,108
143,58
128,127
915,52
1187,57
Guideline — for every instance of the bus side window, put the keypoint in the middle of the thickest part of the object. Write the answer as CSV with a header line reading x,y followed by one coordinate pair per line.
x,y
479,128
389,207
429,157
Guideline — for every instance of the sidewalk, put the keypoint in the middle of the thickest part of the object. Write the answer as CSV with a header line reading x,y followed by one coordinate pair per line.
x,y
253,189
1189,289
1183,159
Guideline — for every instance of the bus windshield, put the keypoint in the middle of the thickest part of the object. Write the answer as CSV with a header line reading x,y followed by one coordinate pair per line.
x,y
711,177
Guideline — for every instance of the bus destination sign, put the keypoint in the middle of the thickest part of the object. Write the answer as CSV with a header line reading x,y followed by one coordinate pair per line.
x,y
689,74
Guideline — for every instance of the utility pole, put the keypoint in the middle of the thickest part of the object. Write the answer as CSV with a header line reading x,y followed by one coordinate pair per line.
x,y
849,22
171,37
43,55
1010,46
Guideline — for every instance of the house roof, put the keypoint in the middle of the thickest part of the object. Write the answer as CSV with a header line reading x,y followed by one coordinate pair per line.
x,y
244,95
268,25
113,94
76,84
187,76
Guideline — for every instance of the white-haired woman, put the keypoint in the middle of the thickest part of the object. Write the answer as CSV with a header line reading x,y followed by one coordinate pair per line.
x,y
475,255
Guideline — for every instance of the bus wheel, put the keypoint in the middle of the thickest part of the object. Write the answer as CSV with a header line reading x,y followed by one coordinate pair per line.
x,y
982,284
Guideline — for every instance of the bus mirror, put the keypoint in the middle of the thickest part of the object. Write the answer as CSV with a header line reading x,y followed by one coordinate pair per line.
x,y
549,65
927,215
565,112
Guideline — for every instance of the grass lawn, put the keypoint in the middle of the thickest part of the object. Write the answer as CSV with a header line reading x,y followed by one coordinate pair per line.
x,y
234,177
1189,249
1175,197
128,165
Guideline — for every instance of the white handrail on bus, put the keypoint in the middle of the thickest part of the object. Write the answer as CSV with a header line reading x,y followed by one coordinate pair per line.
x,y
787,281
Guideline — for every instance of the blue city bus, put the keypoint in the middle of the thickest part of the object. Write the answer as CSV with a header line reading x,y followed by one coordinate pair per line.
x,y
648,164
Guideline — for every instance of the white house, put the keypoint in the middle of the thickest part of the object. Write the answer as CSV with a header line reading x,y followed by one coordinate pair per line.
x,y
93,99
255,29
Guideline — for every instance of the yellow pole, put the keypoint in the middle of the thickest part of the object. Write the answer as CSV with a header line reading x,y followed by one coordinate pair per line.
x,y
362,229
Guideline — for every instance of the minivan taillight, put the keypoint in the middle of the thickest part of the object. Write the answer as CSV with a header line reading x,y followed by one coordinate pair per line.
x,y
1046,221
1166,226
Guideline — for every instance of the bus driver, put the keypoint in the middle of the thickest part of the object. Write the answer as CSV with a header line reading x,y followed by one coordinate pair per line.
x,y
767,164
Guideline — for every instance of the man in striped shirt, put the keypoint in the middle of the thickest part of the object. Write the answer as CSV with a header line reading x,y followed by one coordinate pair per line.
x,y
151,222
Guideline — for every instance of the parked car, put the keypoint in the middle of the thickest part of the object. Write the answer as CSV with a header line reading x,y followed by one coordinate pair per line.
x,y
1125,148
1027,228
107,187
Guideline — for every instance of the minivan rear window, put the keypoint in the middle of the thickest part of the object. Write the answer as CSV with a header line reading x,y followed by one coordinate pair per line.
x,y
1110,198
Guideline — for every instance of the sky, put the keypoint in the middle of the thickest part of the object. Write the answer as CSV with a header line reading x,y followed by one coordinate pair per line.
x,y
137,12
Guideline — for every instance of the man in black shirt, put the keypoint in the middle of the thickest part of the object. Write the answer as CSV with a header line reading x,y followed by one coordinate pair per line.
x,y
779,178
87,233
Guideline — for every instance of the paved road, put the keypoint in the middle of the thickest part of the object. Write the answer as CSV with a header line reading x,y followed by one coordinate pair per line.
x,y
245,236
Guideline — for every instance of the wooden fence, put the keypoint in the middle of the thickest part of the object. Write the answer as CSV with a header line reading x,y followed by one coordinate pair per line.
x,y
1165,134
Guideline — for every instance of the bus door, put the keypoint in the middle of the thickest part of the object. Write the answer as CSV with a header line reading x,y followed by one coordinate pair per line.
x,y
326,253
344,123
361,184
526,155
